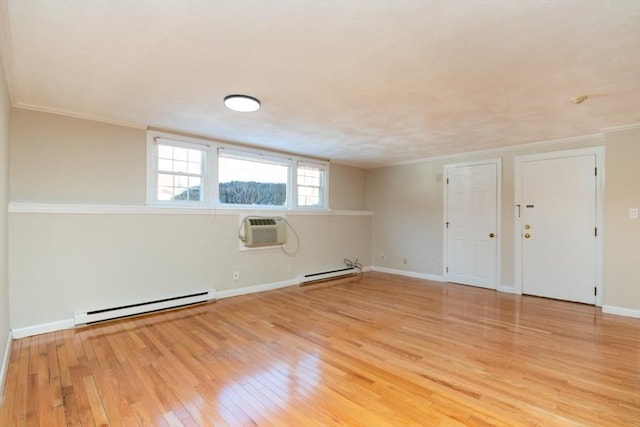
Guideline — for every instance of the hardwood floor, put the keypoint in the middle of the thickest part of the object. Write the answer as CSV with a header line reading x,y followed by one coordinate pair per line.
x,y
380,350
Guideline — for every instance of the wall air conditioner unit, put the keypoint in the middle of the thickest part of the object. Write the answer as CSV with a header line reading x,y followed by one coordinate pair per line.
x,y
263,231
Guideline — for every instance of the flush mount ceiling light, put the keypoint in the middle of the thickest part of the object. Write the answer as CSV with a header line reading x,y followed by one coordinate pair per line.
x,y
242,103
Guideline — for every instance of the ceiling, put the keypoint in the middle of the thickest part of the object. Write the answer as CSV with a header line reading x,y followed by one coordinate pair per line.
x,y
364,83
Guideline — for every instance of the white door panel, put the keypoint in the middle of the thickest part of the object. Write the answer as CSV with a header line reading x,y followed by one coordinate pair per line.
x,y
558,228
472,224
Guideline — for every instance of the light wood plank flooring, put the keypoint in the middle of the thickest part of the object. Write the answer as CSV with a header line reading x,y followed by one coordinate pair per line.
x,y
376,351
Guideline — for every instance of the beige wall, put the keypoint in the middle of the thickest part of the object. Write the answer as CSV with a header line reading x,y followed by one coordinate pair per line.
x,y
347,188
408,204
66,262
62,263
58,159
5,115
622,234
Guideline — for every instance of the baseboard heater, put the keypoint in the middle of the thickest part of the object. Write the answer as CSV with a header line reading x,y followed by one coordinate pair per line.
x,y
326,275
112,313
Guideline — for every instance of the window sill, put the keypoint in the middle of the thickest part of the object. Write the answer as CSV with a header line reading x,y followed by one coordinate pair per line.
x,y
159,209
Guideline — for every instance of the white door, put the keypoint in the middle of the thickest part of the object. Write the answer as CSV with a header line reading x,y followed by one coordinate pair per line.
x,y
471,224
558,220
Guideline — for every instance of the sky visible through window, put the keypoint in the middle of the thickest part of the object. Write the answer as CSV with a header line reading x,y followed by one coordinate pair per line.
x,y
247,170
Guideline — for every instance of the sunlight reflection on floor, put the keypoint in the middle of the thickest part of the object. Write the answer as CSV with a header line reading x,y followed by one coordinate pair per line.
x,y
269,390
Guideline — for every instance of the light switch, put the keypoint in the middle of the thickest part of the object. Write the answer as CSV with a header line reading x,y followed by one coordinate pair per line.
x,y
633,213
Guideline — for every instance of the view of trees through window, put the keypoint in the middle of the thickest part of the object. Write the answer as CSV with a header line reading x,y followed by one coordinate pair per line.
x,y
247,180
253,193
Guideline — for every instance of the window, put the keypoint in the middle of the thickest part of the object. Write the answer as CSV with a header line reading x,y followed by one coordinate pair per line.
x,y
310,184
183,171
251,180
178,171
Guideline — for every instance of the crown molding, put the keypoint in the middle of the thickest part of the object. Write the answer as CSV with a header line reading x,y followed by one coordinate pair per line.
x,y
77,115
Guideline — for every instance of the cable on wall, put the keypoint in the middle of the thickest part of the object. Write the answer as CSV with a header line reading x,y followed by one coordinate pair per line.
x,y
353,264
293,253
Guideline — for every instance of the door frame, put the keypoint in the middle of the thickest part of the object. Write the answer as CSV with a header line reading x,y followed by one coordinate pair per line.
x,y
598,151
445,234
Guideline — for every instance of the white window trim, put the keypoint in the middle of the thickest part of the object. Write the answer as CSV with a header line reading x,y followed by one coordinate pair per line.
x,y
153,139
210,175
325,189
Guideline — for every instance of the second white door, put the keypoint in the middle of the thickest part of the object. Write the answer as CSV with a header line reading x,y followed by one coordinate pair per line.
x,y
558,233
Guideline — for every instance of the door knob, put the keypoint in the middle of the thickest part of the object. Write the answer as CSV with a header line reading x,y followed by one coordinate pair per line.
x,y
527,235
492,235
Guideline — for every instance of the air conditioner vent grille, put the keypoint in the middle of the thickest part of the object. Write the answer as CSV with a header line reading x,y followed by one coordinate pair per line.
x,y
262,221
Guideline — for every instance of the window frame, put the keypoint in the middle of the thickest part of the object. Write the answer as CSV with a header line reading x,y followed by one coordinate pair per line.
x,y
258,156
153,170
210,176
324,193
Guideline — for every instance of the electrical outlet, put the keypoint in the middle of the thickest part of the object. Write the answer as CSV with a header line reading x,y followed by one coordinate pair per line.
x,y
236,275
633,213
382,258
289,268
404,260
440,264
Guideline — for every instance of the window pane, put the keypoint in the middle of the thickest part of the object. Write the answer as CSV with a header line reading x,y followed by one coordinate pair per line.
x,y
248,181
165,193
307,176
194,155
190,193
310,186
180,173
309,196
165,180
165,165
180,153
181,181
194,168
179,166
165,151
194,182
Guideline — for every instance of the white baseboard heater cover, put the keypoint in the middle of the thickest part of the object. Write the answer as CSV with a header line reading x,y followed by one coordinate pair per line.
x,y
103,314
326,275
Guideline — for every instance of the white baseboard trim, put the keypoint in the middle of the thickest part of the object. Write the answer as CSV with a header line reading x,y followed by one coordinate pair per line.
x,y
621,311
69,323
256,288
413,274
42,328
5,363
508,290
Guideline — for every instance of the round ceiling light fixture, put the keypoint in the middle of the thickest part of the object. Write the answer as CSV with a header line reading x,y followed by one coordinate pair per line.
x,y
242,103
